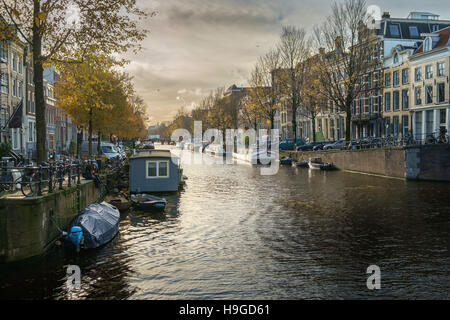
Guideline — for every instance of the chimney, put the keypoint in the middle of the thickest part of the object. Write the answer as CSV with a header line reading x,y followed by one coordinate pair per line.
x,y
386,15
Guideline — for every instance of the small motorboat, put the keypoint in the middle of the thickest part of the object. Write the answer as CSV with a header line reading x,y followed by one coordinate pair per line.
x,y
327,166
315,163
286,161
93,227
303,164
148,202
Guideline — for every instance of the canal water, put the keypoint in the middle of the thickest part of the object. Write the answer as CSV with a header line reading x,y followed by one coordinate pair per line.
x,y
235,234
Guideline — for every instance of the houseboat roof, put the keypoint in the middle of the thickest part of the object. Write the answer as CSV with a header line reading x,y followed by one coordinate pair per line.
x,y
153,154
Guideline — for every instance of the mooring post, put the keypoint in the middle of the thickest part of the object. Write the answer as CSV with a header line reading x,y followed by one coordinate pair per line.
x,y
39,191
70,176
50,179
78,172
61,177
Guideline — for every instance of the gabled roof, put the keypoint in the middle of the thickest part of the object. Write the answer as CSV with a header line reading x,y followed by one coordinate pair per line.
x,y
444,36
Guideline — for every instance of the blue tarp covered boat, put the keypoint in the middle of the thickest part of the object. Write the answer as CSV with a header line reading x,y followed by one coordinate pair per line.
x,y
94,226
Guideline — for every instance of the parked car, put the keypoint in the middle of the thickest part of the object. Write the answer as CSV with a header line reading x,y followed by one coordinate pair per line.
x,y
107,149
320,145
110,151
338,145
308,147
288,144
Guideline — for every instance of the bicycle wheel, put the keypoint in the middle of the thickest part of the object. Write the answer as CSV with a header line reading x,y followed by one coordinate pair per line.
x,y
29,185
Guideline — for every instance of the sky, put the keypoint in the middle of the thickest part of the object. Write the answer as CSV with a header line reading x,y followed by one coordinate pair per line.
x,y
195,46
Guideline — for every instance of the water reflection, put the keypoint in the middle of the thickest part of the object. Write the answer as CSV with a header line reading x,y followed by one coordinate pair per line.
x,y
234,234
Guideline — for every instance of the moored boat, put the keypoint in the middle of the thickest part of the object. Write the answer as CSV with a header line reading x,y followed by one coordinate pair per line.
x,y
327,166
287,161
314,163
120,203
303,164
94,226
148,202
215,150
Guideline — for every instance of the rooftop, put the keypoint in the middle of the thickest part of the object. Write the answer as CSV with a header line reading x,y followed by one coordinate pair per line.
x,y
153,154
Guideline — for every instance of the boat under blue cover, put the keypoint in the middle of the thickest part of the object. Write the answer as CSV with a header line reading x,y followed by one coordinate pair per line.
x,y
94,226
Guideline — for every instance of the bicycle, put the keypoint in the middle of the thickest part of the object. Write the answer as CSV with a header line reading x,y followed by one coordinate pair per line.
x,y
26,182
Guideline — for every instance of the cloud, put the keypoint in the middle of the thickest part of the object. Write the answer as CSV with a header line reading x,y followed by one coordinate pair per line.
x,y
196,46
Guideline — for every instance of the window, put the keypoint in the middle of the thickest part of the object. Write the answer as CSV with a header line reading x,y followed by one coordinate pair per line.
x,y
387,101
395,30
418,95
396,126
20,65
418,74
396,78
3,53
441,92
15,88
428,44
405,124
20,95
14,62
429,71
396,58
413,31
387,80
405,99
387,124
157,169
429,94
30,131
441,69
443,117
396,100
405,76
435,27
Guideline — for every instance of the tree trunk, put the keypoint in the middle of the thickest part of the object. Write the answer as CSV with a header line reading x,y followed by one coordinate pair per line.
x,y
294,123
348,122
38,79
79,142
313,120
90,132
99,139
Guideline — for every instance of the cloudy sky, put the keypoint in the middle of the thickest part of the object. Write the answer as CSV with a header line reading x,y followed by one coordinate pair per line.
x,y
195,46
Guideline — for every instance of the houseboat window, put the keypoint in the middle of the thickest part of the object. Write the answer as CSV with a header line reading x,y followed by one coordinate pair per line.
x,y
157,169
152,167
163,169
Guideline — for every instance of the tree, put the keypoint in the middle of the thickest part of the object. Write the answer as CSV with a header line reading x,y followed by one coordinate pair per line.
x,y
265,93
347,46
314,98
96,96
59,30
294,49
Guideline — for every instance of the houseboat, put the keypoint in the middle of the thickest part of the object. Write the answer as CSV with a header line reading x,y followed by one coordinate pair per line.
x,y
155,171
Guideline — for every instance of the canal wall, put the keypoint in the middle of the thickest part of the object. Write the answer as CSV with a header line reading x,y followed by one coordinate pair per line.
x,y
429,162
28,226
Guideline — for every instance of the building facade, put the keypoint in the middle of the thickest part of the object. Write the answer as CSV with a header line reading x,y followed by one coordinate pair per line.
x,y
431,105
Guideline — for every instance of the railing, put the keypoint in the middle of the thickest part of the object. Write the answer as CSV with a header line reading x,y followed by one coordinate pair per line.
x,y
400,141
46,178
